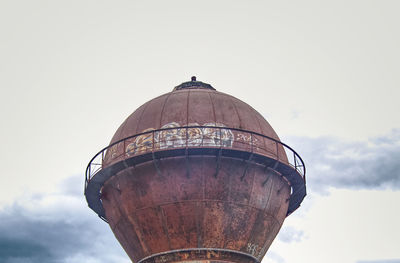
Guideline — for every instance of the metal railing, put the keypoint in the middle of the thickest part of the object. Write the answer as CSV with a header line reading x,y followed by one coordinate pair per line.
x,y
194,137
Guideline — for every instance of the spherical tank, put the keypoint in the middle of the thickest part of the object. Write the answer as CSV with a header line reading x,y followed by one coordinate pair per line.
x,y
195,175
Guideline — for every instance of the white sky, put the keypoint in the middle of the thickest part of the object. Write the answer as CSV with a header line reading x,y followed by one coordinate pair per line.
x,y
72,71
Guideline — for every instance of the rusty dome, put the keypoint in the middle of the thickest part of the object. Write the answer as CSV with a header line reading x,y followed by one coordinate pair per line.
x,y
195,175
194,103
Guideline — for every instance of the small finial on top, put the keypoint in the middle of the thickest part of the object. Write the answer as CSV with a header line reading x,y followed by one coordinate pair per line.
x,y
193,84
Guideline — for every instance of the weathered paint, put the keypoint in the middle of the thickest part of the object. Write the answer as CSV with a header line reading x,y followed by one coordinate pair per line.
x,y
184,107
177,138
201,256
175,210
197,208
194,135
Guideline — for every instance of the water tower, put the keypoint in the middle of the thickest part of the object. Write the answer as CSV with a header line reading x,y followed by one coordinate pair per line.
x,y
195,176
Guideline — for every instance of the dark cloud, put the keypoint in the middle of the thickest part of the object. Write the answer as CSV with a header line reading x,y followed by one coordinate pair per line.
x,y
19,248
330,162
56,228
289,234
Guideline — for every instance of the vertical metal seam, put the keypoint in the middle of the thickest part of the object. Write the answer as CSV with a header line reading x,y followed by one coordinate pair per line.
x,y
142,242
163,107
261,129
252,116
249,203
236,110
253,229
140,118
123,128
199,224
155,163
213,108
260,211
228,233
164,224
116,225
264,248
255,114
247,164
270,192
218,162
252,183
229,185
132,218
187,108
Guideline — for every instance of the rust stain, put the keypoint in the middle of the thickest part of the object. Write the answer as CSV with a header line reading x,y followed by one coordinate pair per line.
x,y
224,222
198,208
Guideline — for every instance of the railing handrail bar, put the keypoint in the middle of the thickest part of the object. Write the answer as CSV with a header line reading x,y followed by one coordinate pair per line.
x,y
189,127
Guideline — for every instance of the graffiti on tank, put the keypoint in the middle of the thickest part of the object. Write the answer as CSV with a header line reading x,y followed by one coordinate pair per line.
x,y
142,143
252,248
195,135
161,259
112,152
246,138
170,138
217,137
180,137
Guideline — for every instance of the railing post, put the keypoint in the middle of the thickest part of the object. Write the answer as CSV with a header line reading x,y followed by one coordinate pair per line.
x,y
220,137
123,150
251,142
102,158
152,141
202,136
187,136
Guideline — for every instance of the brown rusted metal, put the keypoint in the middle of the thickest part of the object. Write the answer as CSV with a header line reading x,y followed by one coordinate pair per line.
x,y
200,256
190,107
195,175
151,214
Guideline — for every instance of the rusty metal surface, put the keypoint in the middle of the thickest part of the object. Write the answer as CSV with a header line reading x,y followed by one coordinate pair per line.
x,y
152,213
200,256
212,141
208,135
195,175
194,107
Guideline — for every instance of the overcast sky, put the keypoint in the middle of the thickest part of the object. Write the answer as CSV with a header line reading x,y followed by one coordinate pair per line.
x,y
324,74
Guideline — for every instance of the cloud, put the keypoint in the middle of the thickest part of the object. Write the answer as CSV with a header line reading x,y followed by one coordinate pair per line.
x,y
60,228
273,257
330,162
289,234
56,228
